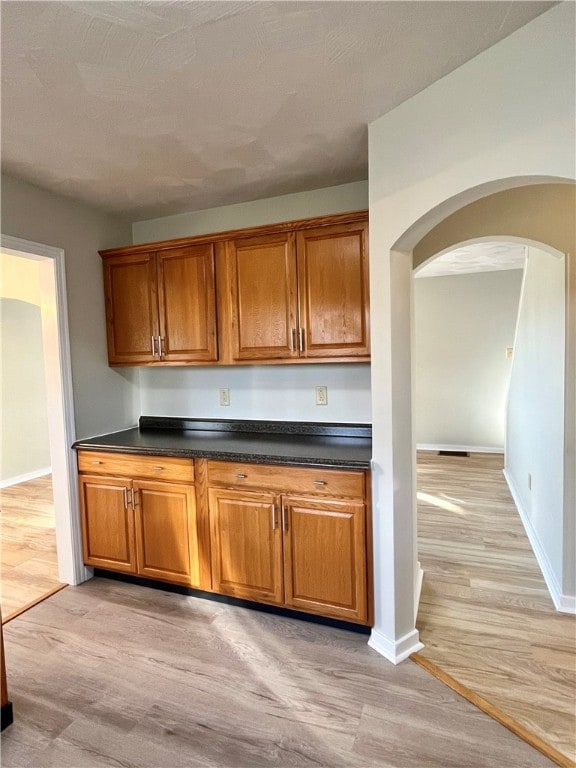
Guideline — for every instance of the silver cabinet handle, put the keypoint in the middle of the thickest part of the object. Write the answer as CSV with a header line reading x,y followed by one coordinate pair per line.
x,y
240,476
319,482
125,497
133,500
274,517
284,519
301,340
292,339
97,462
159,469
160,352
153,346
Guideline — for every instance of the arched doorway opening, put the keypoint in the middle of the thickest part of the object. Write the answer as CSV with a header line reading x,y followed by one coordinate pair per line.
x,y
482,579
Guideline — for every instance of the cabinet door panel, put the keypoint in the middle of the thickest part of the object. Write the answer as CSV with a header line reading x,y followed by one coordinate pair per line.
x,y
166,532
264,286
325,557
333,291
131,308
107,524
187,304
246,545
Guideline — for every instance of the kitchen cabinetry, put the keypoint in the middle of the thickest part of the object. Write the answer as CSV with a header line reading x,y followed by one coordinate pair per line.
x,y
300,540
286,293
301,295
161,307
137,525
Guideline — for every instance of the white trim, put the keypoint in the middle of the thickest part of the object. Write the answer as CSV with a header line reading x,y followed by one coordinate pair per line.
x,y
17,479
395,651
71,569
418,588
450,447
563,603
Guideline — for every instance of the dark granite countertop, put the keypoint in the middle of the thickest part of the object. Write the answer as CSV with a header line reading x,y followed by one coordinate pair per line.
x,y
259,442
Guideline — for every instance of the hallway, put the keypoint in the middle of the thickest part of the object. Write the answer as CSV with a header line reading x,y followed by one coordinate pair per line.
x,y
485,615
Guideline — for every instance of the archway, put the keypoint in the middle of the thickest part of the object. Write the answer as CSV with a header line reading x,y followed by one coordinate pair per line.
x,y
542,215
533,209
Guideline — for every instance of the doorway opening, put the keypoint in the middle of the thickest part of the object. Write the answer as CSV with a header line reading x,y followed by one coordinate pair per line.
x,y
47,265
489,383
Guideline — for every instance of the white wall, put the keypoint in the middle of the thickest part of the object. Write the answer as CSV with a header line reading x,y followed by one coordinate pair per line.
x,y
25,437
463,325
104,399
258,392
508,114
535,428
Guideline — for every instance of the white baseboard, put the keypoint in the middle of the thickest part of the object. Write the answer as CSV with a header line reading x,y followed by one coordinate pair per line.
x,y
395,651
563,603
27,476
469,448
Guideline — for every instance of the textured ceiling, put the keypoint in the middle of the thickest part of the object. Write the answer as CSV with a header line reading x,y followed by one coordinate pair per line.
x,y
481,257
151,108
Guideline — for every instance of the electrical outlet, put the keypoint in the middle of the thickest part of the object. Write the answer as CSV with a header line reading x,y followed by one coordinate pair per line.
x,y
509,353
321,395
224,396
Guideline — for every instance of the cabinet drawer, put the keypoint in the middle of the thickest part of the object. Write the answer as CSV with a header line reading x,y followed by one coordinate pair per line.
x,y
325,482
157,467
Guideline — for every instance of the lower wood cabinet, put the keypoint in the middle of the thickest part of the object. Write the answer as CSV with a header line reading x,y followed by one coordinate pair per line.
x,y
309,554
107,523
144,527
166,532
246,545
288,536
325,557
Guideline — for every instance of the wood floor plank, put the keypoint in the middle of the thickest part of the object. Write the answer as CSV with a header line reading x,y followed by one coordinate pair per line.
x,y
485,615
115,674
28,559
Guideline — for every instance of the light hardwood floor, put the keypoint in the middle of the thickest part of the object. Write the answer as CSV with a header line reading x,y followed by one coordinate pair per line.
x,y
112,674
28,562
485,615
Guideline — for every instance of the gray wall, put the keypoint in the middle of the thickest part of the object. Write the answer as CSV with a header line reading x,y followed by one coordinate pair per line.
x,y
25,439
104,399
463,324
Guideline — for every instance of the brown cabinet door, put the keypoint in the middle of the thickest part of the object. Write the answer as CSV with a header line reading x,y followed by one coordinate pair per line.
x,y
166,532
333,291
131,308
187,304
325,557
264,302
107,523
246,543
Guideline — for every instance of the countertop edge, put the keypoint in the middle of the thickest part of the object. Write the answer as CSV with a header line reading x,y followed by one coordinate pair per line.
x,y
250,458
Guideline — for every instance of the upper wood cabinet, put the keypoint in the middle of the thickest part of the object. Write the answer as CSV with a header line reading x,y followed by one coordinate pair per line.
x,y
295,292
300,295
161,307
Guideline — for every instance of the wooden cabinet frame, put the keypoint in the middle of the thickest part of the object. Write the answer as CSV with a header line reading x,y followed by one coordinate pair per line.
x,y
161,306
312,550
145,526
308,314
302,540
